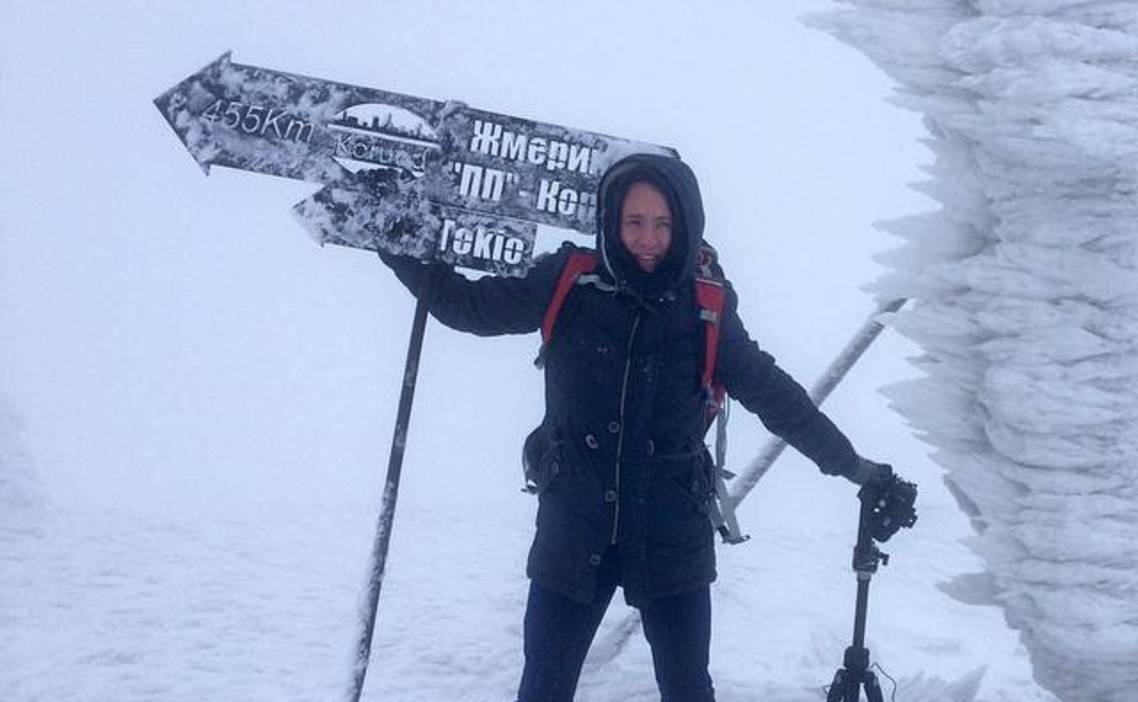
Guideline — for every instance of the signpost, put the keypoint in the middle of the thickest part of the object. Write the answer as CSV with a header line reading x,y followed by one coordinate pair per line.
x,y
407,175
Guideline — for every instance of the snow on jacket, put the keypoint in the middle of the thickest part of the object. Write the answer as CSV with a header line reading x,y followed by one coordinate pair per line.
x,y
623,398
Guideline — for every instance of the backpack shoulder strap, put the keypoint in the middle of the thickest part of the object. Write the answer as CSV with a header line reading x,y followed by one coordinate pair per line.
x,y
711,297
579,262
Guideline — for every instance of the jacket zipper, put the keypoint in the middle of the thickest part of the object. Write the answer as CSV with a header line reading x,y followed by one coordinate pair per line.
x,y
620,416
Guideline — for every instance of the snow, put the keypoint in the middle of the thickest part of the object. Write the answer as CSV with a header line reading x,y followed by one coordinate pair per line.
x,y
137,606
197,401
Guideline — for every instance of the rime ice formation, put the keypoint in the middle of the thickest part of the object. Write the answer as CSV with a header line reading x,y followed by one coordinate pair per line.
x,y
1026,305
19,489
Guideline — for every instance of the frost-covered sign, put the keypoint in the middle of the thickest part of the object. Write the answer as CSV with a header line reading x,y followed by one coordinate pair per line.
x,y
404,174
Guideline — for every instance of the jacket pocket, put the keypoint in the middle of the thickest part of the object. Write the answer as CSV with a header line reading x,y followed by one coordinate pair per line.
x,y
702,481
541,458
682,489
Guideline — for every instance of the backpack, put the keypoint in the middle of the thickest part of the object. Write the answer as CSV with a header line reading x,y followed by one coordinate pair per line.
x,y
710,298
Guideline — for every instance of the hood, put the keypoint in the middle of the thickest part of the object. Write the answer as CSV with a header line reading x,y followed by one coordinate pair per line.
x,y
678,183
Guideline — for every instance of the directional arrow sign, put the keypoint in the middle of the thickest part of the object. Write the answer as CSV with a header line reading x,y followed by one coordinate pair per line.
x,y
404,174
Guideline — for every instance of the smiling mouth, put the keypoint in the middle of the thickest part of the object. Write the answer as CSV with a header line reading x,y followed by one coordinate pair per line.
x,y
648,262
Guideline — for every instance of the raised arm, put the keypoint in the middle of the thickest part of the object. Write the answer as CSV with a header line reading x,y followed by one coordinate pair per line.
x,y
487,306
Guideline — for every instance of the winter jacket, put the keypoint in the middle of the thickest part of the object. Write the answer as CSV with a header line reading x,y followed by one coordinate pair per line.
x,y
624,403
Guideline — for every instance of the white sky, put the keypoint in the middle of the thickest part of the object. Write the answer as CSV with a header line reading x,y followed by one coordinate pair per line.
x,y
177,341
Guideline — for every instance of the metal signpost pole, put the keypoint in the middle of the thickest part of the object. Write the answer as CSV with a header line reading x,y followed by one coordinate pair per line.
x,y
390,494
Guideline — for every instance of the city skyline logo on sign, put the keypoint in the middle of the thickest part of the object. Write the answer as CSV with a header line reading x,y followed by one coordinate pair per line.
x,y
378,136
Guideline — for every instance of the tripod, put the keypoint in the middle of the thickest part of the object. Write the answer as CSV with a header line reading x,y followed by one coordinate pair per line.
x,y
855,672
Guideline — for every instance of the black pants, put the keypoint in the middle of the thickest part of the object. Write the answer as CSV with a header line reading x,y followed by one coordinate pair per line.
x,y
559,630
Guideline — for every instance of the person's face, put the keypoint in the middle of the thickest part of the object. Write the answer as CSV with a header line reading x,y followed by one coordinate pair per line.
x,y
646,225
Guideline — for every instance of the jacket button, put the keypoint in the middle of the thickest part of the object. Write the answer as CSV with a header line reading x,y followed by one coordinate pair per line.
x,y
651,447
594,560
555,467
614,427
591,441
610,495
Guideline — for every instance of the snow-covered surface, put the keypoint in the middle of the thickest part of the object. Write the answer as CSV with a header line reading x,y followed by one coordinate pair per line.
x,y
1025,288
114,604
203,399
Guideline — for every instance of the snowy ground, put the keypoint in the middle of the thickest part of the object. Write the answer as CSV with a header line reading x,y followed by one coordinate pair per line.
x,y
133,605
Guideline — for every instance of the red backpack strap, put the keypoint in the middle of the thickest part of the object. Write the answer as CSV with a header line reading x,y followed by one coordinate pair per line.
x,y
578,262
710,296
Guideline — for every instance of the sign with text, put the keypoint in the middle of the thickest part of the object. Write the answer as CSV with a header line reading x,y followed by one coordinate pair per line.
x,y
433,179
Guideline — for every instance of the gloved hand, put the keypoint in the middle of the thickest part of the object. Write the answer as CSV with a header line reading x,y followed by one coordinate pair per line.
x,y
868,471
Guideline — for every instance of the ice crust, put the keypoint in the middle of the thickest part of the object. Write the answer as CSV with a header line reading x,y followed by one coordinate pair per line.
x,y
1025,302
21,496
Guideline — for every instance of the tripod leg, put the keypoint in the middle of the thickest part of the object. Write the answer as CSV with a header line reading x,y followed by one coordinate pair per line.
x,y
837,693
872,687
845,687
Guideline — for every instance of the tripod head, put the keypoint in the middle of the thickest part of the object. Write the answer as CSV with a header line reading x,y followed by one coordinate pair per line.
x,y
887,507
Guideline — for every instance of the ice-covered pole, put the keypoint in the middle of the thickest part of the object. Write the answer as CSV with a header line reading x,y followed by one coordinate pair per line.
x,y
1025,302
378,562
831,377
